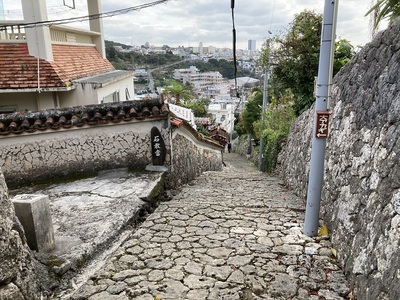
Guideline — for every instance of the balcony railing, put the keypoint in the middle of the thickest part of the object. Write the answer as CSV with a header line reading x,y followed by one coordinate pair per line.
x,y
13,31
65,34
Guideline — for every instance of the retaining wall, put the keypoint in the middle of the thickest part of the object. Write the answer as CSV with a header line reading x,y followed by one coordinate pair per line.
x,y
361,189
190,158
29,158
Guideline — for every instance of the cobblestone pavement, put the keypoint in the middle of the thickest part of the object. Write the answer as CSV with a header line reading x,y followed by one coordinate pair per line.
x,y
235,234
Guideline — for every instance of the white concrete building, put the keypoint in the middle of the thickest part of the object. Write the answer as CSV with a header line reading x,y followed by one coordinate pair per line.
x,y
222,114
206,83
44,67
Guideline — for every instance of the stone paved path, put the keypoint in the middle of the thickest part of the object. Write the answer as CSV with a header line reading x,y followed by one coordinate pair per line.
x,y
235,234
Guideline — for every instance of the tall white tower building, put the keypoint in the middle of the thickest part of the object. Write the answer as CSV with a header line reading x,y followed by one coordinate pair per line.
x,y
251,45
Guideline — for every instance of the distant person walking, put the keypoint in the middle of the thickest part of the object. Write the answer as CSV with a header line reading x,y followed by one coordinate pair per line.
x,y
229,147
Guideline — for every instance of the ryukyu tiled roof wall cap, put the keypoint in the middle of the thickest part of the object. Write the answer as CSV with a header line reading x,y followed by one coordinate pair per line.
x,y
77,116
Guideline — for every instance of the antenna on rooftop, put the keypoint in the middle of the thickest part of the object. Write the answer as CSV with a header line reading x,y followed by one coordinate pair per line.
x,y
69,3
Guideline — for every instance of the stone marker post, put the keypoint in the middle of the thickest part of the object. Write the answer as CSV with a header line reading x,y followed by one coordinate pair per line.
x,y
158,150
33,211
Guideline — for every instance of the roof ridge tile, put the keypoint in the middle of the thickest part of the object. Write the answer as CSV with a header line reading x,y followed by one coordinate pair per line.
x,y
92,115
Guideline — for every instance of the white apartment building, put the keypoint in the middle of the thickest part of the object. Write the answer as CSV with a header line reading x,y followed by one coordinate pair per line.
x,y
207,83
215,91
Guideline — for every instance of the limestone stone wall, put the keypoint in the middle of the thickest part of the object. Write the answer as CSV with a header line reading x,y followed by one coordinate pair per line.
x,y
361,189
17,278
27,159
190,158
243,146
295,164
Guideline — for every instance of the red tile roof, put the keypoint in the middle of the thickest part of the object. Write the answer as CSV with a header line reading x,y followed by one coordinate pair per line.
x,y
18,69
177,122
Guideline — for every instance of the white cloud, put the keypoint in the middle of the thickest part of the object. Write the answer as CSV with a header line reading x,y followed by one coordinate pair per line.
x,y
186,22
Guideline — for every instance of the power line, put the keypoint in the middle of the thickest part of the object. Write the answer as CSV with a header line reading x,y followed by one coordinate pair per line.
x,y
58,8
88,17
272,16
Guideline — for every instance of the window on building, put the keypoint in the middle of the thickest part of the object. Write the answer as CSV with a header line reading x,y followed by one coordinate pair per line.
x,y
127,95
5,109
113,97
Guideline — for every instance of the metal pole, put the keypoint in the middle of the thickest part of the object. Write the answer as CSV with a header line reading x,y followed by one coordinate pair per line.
x,y
265,98
232,120
264,105
321,104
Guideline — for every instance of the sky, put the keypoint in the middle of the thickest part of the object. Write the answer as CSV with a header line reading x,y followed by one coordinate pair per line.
x,y
189,22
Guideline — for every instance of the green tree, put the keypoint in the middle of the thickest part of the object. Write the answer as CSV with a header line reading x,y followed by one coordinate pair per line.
x,y
111,53
179,91
226,68
199,107
294,57
278,119
201,129
344,51
385,9
251,113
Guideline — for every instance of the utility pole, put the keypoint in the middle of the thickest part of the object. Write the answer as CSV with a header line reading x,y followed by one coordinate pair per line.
x,y
264,106
232,121
321,118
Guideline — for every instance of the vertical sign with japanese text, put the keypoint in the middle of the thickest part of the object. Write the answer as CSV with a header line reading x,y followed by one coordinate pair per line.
x,y
158,150
322,124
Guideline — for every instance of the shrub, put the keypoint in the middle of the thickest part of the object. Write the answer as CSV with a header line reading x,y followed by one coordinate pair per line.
x,y
276,129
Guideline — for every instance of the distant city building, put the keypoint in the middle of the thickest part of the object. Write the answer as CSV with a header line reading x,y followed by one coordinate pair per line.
x,y
202,82
246,82
211,50
252,45
201,48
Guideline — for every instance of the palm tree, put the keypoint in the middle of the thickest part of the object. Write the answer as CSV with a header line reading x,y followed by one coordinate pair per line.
x,y
179,91
385,9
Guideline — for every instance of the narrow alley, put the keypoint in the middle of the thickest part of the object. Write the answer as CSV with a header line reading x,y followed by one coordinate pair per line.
x,y
235,234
